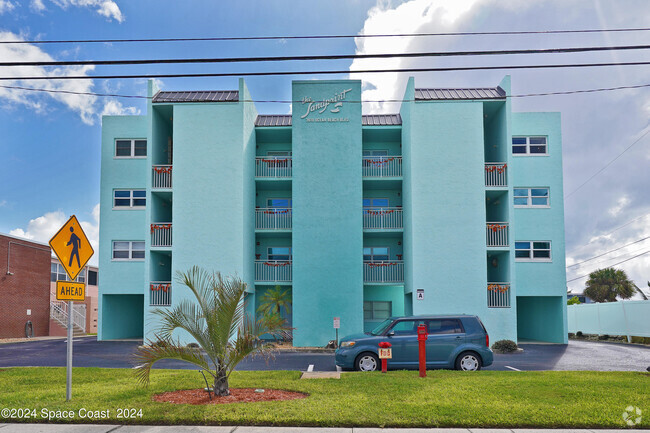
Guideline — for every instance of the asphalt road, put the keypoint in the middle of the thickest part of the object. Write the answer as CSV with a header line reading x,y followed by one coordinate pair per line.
x,y
88,352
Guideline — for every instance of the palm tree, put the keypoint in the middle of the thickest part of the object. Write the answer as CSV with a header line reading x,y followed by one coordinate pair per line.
x,y
605,285
272,303
274,300
219,324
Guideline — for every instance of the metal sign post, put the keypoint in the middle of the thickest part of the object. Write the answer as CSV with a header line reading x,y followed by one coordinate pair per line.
x,y
68,362
337,325
71,243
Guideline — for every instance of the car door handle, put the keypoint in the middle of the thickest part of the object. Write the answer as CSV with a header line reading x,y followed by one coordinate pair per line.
x,y
458,338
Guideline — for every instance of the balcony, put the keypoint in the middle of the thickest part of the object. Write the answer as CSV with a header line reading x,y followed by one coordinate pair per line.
x,y
161,177
496,174
273,271
382,166
382,218
496,234
160,293
273,167
161,235
273,219
498,295
391,271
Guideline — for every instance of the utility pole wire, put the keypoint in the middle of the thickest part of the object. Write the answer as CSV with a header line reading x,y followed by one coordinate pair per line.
x,y
607,252
360,36
610,266
325,72
327,57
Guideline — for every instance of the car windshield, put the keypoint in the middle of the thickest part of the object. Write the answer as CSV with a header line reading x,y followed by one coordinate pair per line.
x,y
382,327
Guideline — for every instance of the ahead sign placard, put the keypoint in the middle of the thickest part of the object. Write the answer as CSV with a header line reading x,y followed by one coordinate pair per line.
x,y
70,291
72,247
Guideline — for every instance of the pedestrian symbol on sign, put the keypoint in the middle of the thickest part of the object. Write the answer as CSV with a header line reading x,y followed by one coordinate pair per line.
x,y
76,244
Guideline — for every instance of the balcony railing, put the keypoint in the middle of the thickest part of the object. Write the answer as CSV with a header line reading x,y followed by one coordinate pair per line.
x,y
498,295
496,174
160,294
273,271
162,176
273,219
379,218
273,166
391,271
496,234
382,166
161,235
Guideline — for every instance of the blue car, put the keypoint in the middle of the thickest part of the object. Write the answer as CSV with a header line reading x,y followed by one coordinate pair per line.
x,y
459,342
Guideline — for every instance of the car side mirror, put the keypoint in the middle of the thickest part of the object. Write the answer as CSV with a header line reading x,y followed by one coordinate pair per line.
x,y
390,333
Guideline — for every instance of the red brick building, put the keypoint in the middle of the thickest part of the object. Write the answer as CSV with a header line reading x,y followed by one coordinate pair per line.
x,y
24,286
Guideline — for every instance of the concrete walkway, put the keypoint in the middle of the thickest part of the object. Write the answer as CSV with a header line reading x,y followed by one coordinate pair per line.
x,y
94,428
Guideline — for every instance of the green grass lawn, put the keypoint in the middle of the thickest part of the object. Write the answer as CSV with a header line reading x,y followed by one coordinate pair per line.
x,y
395,399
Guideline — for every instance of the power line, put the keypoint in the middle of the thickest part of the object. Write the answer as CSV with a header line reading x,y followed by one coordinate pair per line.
x,y
607,165
325,72
610,251
597,264
281,101
326,57
615,230
360,36
615,264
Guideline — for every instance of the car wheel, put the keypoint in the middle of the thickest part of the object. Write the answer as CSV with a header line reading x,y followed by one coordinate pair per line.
x,y
468,361
367,362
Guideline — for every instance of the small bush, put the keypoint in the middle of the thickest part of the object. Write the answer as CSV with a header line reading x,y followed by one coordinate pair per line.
x,y
579,334
603,337
505,346
571,335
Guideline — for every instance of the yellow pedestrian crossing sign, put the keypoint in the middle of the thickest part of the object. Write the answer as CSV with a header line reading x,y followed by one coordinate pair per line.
x,y
72,247
70,291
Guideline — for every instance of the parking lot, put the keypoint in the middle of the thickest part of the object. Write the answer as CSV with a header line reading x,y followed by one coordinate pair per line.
x,y
88,352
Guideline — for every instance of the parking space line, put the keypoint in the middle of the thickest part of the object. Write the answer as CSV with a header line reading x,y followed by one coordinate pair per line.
x,y
512,368
310,368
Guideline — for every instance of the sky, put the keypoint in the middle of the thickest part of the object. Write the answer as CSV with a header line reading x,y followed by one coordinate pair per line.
x,y
50,143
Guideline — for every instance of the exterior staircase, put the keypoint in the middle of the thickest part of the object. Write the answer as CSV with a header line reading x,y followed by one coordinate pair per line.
x,y
59,313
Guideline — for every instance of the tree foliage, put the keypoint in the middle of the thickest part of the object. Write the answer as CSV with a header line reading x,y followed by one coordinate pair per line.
x,y
605,285
216,319
573,301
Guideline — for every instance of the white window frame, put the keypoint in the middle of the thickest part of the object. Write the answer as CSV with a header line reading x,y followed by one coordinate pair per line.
x,y
132,156
60,270
268,253
130,198
288,199
375,198
130,250
527,144
372,254
531,254
372,310
529,197
371,153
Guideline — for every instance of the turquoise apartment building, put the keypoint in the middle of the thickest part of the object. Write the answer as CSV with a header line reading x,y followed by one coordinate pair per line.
x,y
452,205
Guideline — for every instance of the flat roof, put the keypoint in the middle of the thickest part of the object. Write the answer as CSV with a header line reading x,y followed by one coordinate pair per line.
x,y
18,238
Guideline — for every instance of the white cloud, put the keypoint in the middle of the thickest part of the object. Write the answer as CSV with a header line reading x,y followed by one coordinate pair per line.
x,y
106,8
84,105
113,107
619,206
42,229
6,6
3,203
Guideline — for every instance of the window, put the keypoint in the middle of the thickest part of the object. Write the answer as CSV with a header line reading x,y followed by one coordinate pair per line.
x,y
531,197
375,254
375,202
406,327
535,251
129,198
445,326
376,310
128,250
92,278
279,202
375,153
522,146
130,148
279,253
57,273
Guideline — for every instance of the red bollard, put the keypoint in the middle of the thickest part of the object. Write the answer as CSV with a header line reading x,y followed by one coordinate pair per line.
x,y
385,353
422,349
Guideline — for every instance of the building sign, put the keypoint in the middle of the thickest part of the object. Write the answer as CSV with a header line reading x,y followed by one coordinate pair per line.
x,y
70,291
332,105
419,294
